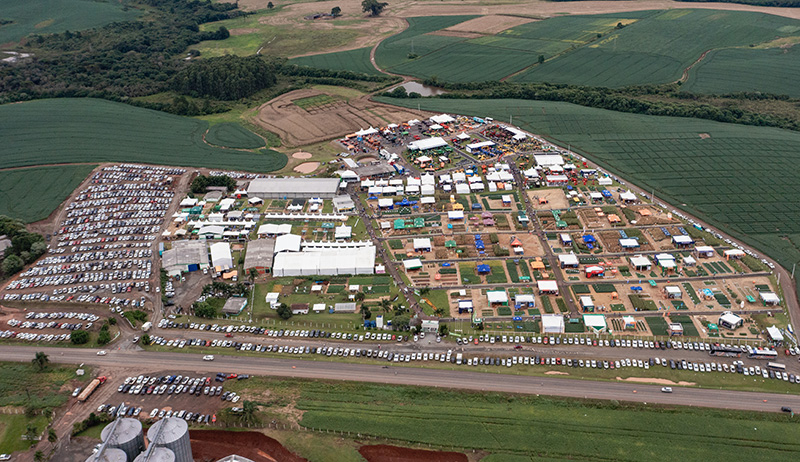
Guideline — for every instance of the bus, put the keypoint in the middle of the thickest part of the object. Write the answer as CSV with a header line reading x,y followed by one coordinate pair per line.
x,y
730,352
763,353
776,366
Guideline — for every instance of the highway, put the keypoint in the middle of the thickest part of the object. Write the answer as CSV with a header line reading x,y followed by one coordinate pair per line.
x,y
138,361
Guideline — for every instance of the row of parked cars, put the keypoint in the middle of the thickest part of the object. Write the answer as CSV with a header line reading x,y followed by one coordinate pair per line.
x,y
170,384
33,337
124,410
296,333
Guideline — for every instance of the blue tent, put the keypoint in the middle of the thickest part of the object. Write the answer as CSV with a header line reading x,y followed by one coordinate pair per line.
x,y
517,318
589,239
404,202
479,245
484,269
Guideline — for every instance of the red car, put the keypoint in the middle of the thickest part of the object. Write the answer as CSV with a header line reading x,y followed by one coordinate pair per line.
x,y
518,347
229,335
545,340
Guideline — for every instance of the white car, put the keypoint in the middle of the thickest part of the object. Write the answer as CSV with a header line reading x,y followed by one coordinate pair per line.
x,y
101,353
208,358
666,390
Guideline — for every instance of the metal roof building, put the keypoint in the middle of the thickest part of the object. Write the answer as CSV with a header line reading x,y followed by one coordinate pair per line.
x,y
185,256
293,188
221,255
259,255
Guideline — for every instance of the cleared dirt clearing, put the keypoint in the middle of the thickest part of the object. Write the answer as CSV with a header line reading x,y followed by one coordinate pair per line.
x,y
489,25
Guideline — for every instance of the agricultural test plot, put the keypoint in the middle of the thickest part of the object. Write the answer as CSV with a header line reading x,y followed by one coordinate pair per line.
x,y
548,199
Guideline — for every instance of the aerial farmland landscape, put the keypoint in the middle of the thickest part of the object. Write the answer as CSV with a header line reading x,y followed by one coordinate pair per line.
x,y
399,231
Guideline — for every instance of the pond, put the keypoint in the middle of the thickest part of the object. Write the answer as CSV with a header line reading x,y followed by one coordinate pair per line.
x,y
423,90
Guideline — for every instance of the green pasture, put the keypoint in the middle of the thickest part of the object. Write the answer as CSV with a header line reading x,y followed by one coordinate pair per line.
x,y
72,130
233,135
657,48
31,194
713,176
53,16
772,70
534,426
350,60
395,49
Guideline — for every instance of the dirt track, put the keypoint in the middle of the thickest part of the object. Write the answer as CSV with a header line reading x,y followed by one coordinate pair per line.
x,y
387,453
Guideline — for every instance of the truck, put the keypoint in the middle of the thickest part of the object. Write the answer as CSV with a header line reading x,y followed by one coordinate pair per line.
x,y
459,358
146,326
91,387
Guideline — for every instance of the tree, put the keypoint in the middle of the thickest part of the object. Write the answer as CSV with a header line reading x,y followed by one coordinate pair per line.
x,y
386,305
112,321
145,339
270,5
401,322
541,59
51,435
39,456
79,337
424,291
204,310
104,337
365,312
443,329
12,265
40,360
336,11
373,7
248,414
252,273
30,432
284,311
360,296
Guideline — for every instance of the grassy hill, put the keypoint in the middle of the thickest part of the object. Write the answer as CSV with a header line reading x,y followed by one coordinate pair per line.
x,y
51,16
89,130
31,194
741,178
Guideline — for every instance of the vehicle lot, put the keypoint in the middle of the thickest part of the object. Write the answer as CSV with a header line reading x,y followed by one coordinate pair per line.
x,y
103,249
45,326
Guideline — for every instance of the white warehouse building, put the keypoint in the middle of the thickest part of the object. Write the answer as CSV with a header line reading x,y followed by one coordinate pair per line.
x,y
325,261
221,255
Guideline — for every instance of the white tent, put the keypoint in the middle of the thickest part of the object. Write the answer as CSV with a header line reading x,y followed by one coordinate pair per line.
x,y
769,298
422,244
641,262
412,264
569,259
427,143
221,255
287,243
628,243
455,215
442,119
774,334
627,196
367,131
343,232
497,296
596,322
552,324
547,286
548,160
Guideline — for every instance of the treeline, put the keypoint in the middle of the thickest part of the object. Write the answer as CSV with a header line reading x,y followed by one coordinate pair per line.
x,y
25,247
226,78
201,183
117,61
628,99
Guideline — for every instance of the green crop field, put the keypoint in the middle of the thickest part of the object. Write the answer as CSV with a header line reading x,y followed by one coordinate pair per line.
x,y
772,70
52,16
395,49
537,427
31,194
350,60
713,176
657,48
233,135
88,130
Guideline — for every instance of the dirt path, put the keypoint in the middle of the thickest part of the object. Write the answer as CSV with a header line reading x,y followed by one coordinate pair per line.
x,y
685,75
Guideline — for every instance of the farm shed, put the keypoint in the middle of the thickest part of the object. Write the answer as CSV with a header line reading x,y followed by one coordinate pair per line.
x,y
682,241
565,239
730,321
477,146
299,308
343,204
733,253
629,243
422,244
465,306
234,305
293,188
704,251
221,255
272,299
552,324
271,229
672,292
547,287
344,308
587,304
666,261
215,231
318,307
595,322
259,255
430,325
325,261
675,328
774,335
497,297
427,143
569,260
185,256
641,263
412,264
213,196
769,298
524,301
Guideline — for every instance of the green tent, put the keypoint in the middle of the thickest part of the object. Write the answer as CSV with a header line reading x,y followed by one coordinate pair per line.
x,y
449,243
419,222
327,225
400,224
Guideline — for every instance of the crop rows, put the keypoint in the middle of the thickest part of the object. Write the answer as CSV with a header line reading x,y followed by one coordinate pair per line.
x,y
772,70
31,194
350,60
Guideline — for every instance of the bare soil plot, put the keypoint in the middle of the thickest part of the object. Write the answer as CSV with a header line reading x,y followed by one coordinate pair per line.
x,y
610,240
386,453
307,167
555,199
489,25
216,444
647,215
301,126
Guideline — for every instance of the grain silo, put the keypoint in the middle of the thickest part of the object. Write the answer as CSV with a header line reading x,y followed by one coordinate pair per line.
x,y
125,434
108,455
172,433
156,454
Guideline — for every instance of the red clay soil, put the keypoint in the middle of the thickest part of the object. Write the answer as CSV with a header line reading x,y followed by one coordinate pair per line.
x,y
212,445
386,453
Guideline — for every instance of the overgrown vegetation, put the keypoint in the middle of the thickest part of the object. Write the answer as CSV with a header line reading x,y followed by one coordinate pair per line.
x,y
201,183
25,246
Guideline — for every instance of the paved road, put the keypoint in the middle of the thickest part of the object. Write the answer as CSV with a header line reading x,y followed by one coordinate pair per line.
x,y
461,379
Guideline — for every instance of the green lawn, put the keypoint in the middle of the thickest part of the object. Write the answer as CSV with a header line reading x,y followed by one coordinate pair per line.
x,y
439,299
12,427
32,194
53,16
70,130
712,175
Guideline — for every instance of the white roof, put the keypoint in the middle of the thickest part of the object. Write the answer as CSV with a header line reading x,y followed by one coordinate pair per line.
x,y
189,202
769,297
423,159
629,242
734,252
591,269
343,232
216,230
553,178
366,131
287,243
568,259
730,318
640,260
628,319
221,255
531,173
455,215
422,243
436,127
775,334
465,303
627,196
427,143
442,119
595,321
462,136
427,189
566,237
595,195
673,289
427,179
385,203
547,160
682,239
524,298
480,145
552,323
427,200
586,300
272,297
689,260
547,286
412,263
497,296
318,307
704,249
604,181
